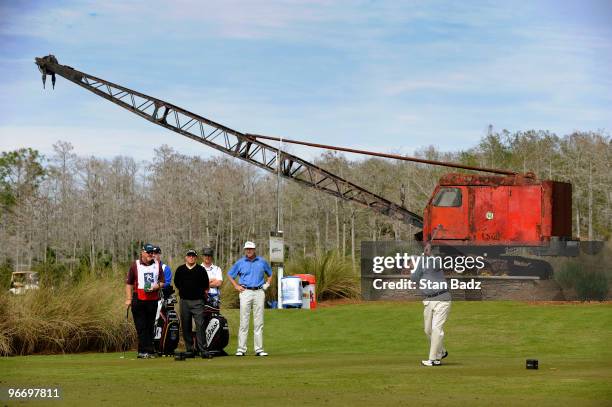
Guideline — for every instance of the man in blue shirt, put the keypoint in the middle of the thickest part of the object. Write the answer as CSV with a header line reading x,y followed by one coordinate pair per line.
x,y
167,288
251,270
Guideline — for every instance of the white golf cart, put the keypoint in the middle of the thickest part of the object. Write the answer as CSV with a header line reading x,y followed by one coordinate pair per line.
x,y
22,281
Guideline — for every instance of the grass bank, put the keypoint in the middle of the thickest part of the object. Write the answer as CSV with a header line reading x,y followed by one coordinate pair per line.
x,y
73,318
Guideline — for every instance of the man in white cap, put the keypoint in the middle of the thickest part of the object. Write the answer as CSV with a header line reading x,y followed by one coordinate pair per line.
x,y
251,271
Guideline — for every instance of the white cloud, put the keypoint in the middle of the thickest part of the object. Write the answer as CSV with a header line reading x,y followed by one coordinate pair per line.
x,y
404,74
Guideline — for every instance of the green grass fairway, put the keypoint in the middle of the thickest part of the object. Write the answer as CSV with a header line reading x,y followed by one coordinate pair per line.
x,y
361,354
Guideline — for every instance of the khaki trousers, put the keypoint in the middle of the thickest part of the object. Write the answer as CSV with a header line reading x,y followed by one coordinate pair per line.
x,y
435,315
251,299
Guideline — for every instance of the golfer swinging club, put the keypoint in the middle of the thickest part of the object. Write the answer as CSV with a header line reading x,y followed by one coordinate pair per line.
x,y
437,306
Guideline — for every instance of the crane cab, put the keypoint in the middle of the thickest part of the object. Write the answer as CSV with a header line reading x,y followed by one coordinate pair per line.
x,y
515,210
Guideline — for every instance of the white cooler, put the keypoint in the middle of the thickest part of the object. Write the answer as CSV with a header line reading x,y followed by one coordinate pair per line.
x,y
292,292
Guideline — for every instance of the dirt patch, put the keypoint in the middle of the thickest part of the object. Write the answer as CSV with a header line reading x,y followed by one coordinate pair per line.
x,y
607,302
342,301
348,301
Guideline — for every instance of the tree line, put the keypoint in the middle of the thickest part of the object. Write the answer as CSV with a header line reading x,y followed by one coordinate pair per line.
x,y
68,215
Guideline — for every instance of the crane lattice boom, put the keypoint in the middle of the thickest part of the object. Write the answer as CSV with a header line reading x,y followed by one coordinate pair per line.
x,y
227,140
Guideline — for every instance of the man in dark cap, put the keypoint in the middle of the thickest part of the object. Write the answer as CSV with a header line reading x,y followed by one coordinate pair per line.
x,y
142,284
191,280
167,288
215,274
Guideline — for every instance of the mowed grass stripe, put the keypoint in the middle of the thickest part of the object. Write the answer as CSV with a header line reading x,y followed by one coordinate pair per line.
x,y
362,354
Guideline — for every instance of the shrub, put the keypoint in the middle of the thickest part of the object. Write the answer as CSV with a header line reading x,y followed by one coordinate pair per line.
x,y
51,273
5,340
569,274
229,295
588,281
89,316
334,275
6,269
592,287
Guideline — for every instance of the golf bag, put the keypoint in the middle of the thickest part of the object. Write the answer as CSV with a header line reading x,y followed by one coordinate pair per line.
x,y
166,335
216,329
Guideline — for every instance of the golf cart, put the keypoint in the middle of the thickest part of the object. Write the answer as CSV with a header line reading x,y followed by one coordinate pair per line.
x,y
22,281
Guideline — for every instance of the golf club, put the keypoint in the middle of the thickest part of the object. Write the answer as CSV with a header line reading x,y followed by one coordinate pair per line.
x,y
127,313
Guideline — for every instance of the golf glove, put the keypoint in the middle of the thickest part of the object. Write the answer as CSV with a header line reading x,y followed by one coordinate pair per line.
x,y
266,286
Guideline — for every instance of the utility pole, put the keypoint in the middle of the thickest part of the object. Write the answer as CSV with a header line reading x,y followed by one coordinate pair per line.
x,y
277,243
277,258
278,187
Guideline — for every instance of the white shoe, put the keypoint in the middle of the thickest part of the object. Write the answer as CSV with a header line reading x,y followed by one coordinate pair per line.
x,y
262,353
431,362
239,353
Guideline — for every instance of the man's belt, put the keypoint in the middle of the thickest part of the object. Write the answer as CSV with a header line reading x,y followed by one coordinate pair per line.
x,y
253,288
436,294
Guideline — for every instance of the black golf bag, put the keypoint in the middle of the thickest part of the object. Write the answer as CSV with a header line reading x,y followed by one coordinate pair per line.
x,y
216,329
166,335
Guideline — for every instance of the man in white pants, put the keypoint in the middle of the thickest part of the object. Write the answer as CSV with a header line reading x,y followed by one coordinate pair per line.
x,y
437,306
251,270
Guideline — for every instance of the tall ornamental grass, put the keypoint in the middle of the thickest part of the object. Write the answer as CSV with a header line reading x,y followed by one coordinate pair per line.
x,y
89,316
334,275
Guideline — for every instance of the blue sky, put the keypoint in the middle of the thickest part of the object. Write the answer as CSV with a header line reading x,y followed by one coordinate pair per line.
x,y
388,76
